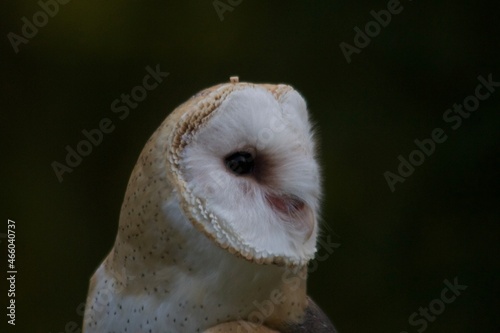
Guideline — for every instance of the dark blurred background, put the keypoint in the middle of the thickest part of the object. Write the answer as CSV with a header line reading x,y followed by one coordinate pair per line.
x,y
396,248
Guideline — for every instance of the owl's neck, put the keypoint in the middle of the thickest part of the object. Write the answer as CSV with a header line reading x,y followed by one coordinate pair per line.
x,y
171,264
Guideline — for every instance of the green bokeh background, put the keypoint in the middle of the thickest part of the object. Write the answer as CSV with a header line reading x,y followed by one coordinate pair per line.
x,y
396,248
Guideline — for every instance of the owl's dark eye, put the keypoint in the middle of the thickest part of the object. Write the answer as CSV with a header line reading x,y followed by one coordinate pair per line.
x,y
240,163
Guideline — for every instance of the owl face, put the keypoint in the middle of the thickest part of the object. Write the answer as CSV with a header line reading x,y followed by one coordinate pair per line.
x,y
243,156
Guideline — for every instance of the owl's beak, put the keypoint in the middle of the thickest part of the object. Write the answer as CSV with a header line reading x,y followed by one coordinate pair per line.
x,y
314,320
293,211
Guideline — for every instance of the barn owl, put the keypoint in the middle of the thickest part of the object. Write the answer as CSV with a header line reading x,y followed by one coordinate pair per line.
x,y
218,222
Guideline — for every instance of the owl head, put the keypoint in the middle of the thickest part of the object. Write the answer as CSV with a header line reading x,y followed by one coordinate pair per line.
x,y
241,159
220,214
